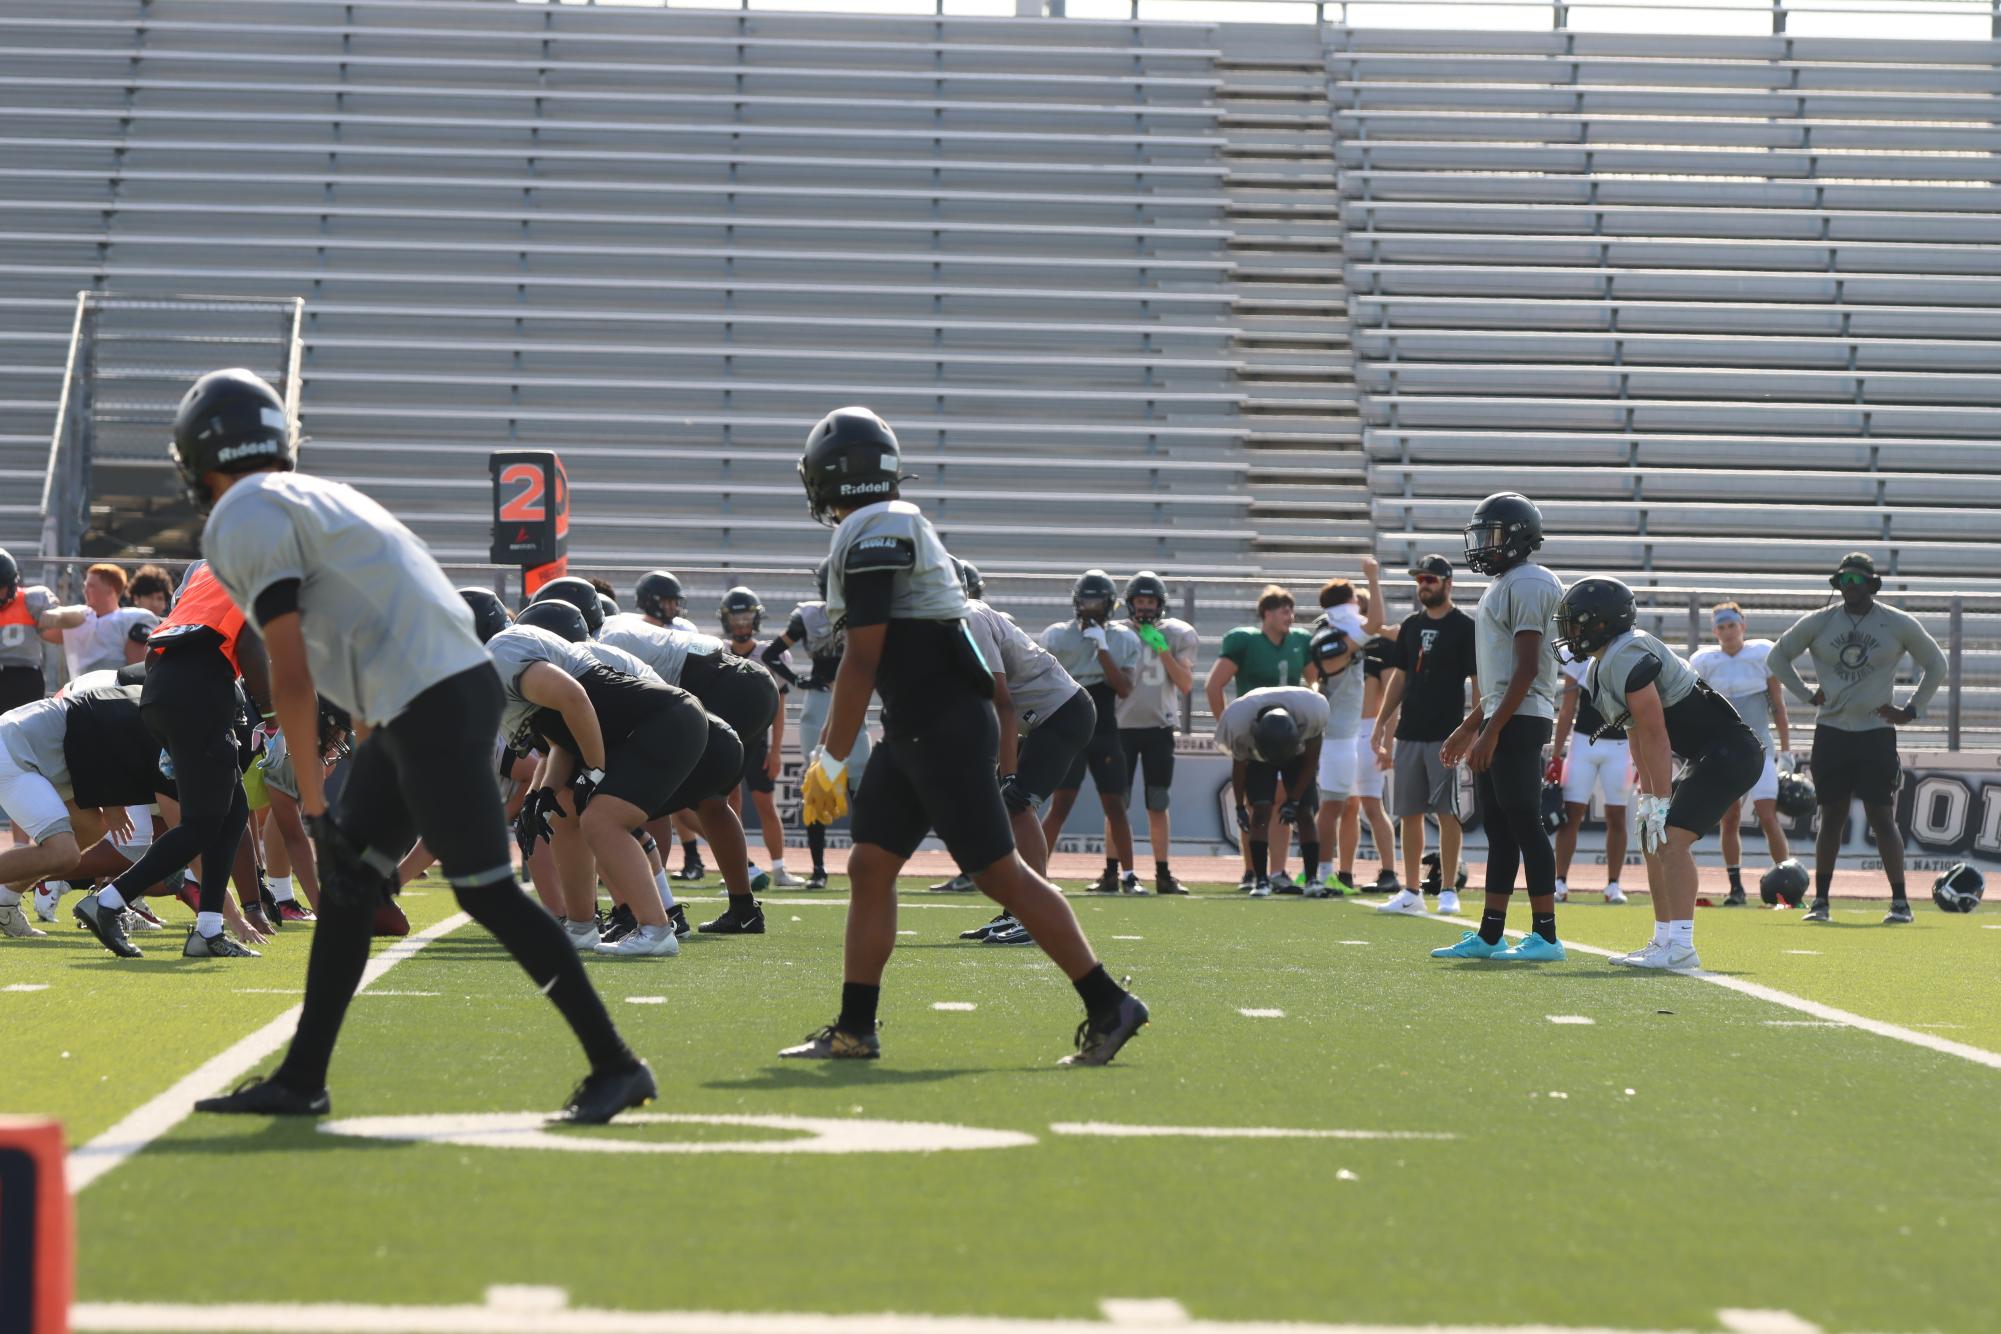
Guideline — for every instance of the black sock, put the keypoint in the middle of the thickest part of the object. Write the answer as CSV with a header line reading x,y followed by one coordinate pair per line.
x,y
1736,877
1544,925
858,1002
333,971
816,843
1260,857
1492,922
552,963
1897,890
1112,866
742,905
1309,859
1098,990
1160,871
691,851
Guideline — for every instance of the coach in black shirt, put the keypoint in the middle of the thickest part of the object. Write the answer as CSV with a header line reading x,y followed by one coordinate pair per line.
x,y
1426,700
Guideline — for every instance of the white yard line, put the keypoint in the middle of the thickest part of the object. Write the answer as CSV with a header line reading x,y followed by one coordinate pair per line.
x,y
1261,1013
1773,996
152,1119
1579,1019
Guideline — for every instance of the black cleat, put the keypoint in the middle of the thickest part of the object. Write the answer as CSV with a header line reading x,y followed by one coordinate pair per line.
x,y
1386,883
1735,899
269,903
617,925
1001,922
1817,913
1108,883
692,870
1100,1036
107,926
217,946
729,924
603,1095
1899,914
679,917
267,1097
1248,883
958,884
817,880
1167,884
834,1043
1014,933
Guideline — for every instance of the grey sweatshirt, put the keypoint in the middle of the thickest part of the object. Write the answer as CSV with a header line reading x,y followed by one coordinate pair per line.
x,y
1855,659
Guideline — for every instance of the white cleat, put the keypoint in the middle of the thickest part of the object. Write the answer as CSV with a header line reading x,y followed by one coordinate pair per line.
x,y
583,935
1261,890
1448,903
1562,892
47,899
784,879
644,942
1613,894
1666,958
1407,902
15,923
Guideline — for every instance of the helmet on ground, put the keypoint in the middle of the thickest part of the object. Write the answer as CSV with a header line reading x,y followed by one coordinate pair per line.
x,y
579,594
1504,529
851,459
654,591
1959,889
1593,613
1784,884
1146,584
1275,736
230,421
489,614
558,617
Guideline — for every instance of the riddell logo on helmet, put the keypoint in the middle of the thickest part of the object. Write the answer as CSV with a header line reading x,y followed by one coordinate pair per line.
x,y
244,451
864,488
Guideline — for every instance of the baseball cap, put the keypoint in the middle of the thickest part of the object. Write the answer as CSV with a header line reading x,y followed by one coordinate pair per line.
x,y
1433,565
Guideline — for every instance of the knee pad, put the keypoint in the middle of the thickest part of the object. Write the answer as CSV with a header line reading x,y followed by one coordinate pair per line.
x,y
1159,798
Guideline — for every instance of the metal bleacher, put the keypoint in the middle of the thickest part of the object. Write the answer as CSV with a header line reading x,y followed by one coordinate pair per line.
x,y
664,242
1727,307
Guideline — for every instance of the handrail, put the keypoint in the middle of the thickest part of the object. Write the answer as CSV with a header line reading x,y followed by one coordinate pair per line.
x,y
54,539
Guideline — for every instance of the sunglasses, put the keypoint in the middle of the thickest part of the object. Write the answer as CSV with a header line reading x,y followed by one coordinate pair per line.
x,y
1854,579
1428,579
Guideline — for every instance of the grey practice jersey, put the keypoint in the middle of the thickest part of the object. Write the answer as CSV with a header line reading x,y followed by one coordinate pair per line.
x,y
616,658
1524,598
1155,700
1609,673
381,622
20,639
664,650
1233,729
516,649
895,535
33,734
1079,656
1036,682
1855,659
822,639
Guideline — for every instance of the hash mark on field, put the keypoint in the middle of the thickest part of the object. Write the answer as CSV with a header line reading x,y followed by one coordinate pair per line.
x,y
1570,1019
1813,952
1739,1321
645,1000
1149,1311
1128,937
1800,1023
526,1297
906,933
25,986
957,1006
1261,1014
268,991
403,993
1353,942
1117,1130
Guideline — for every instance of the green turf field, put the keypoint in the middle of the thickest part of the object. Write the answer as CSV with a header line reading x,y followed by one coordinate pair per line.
x,y
1688,1151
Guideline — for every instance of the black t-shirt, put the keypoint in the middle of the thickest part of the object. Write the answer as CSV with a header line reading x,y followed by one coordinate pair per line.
x,y
622,703
1379,655
113,757
1436,655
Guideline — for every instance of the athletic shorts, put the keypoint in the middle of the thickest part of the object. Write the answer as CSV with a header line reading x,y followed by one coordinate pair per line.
x,y
715,772
1425,785
1043,757
1149,752
648,766
1855,764
1602,766
744,695
1102,756
254,789
1369,780
939,775
20,685
1767,786
1261,780
756,761
813,708
192,707
1338,768
31,801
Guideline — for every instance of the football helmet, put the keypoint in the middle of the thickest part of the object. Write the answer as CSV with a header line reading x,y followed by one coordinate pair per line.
x,y
1143,585
1092,596
1593,613
851,458
738,603
579,594
558,616
1959,889
658,594
230,421
489,614
1785,884
1504,529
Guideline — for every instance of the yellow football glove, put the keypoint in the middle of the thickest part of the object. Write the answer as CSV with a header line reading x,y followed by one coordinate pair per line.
x,y
825,789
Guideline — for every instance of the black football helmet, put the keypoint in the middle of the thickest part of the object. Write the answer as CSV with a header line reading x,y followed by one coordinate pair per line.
x,y
1092,596
1328,642
1785,884
1959,889
851,458
740,601
1796,796
1504,529
230,421
579,594
10,576
658,594
558,616
1593,613
489,614
1275,736
336,731
969,578
608,606
1146,584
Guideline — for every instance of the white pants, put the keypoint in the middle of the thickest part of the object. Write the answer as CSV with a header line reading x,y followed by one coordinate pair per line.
x,y
1767,786
1604,765
1337,768
813,709
31,801
1369,780
142,832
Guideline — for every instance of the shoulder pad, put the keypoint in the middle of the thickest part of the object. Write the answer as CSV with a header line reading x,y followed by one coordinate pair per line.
x,y
1644,672
880,552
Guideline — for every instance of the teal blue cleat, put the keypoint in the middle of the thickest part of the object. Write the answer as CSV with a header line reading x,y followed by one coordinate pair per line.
x,y
1470,946
1534,949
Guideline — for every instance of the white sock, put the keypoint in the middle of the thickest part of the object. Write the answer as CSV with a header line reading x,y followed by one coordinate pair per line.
x,y
778,865
1561,888
9,899
209,923
112,899
1682,933
281,888
1660,933
666,894
1611,888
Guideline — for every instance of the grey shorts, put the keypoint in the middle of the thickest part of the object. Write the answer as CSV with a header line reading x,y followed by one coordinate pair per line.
x,y
1424,785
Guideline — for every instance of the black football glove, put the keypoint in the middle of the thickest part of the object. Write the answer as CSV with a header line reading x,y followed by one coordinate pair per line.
x,y
1014,794
585,786
1288,813
531,826
1243,816
345,878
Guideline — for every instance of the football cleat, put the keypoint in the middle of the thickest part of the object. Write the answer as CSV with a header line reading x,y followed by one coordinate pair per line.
x,y
49,897
294,911
1261,889
1248,883
985,929
817,880
148,920
833,1043
390,921
1448,903
958,884
642,942
1314,889
1100,1037
1408,902
1735,899
217,946
1107,883
106,925
1014,933
1614,895
1665,957
1470,946
679,917
604,1094
1899,914
1532,948
266,1097
1129,883
692,870
15,923
1341,885
1387,883
784,878
617,925
760,879
584,935
1167,884
730,924
1281,883
1817,913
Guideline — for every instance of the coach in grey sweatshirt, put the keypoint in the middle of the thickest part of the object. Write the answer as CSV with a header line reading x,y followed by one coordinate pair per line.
x,y
1857,647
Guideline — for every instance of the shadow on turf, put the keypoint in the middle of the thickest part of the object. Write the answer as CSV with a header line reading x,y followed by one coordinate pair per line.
x,y
1567,973
838,1074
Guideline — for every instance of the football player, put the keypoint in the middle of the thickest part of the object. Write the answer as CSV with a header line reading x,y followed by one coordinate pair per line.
x,y
351,605
810,628
659,597
1150,715
742,616
26,614
1335,667
1273,734
1856,647
1270,653
1739,669
1640,684
1501,740
1372,771
111,636
892,587
1103,658
1589,755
